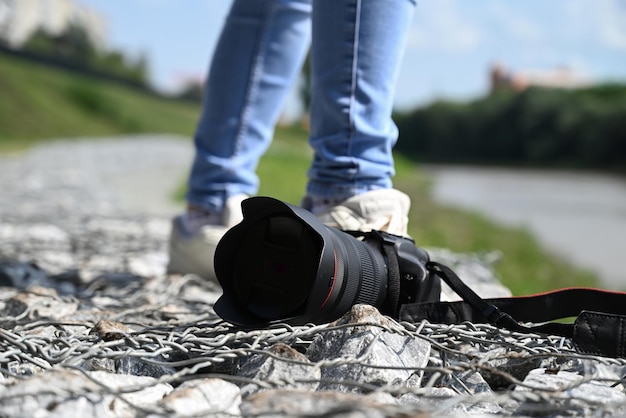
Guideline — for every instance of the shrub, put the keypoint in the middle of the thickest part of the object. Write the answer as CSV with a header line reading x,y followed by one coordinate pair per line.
x,y
536,127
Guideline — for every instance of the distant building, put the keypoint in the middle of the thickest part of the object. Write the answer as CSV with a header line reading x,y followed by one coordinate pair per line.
x,y
19,19
501,78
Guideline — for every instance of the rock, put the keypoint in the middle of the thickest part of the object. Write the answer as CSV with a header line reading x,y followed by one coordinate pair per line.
x,y
500,366
20,274
354,348
139,367
109,330
27,369
443,401
93,394
203,397
290,368
476,270
299,403
569,394
38,303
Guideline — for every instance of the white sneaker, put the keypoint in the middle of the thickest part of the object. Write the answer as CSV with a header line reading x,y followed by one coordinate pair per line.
x,y
383,210
192,252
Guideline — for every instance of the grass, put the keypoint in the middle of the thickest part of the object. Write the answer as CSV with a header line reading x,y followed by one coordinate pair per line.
x,y
39,103
525,266
282,169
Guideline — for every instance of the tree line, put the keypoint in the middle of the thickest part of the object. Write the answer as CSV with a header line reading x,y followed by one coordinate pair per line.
x,y
74,47
583,128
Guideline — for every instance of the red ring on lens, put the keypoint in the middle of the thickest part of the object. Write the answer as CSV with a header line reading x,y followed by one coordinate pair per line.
x,y
330,292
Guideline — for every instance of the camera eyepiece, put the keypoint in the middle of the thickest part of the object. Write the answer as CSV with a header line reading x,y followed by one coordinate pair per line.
x,y
281,263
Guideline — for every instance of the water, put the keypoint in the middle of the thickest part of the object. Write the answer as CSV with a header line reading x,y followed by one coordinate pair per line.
x,y
581,216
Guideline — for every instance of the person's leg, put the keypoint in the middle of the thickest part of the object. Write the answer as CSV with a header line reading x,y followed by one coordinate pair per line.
x,y
257,59
356,52
357,48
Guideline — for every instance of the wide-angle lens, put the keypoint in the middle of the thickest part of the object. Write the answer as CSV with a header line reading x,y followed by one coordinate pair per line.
x,y
282,264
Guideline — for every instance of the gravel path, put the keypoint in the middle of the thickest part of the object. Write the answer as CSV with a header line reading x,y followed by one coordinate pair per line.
x,y
69,178
99,205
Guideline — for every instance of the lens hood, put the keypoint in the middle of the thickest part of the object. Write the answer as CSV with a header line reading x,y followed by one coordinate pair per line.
x,y
277,264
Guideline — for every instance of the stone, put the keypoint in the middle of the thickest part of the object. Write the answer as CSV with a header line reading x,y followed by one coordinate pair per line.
x,y
300,403
39,303
140,367
19,274
502,365
357,355
569,394
476,270
281,365
440,401
203,397
109,330
93,394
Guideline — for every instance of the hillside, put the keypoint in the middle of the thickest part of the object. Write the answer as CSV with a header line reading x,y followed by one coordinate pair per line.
x,y
44,102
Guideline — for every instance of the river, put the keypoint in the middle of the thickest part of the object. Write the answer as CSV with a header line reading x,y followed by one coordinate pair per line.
x,y
580,216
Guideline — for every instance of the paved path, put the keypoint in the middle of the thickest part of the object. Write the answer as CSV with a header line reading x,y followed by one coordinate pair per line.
x,y
65,178
99,205
580,216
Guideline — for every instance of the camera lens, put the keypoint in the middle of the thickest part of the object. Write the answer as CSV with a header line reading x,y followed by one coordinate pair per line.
x,y
364,273
275,267
282,263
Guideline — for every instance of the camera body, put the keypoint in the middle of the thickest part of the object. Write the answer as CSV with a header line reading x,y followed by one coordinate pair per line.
x,y
282,264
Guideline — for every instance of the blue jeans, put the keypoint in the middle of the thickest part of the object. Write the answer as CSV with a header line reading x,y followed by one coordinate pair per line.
x,y
356,49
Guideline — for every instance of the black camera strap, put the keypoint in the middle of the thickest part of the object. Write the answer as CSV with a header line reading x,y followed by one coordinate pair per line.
x,y
393,285
600,315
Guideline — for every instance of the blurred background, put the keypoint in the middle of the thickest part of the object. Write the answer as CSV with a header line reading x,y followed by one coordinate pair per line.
x,y
511,114
456,50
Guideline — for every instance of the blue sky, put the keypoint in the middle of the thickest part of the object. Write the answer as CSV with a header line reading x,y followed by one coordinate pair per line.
x,y
451,45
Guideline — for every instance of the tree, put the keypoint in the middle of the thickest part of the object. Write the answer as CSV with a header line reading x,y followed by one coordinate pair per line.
x,y
40,42
74,43
192,90
75,47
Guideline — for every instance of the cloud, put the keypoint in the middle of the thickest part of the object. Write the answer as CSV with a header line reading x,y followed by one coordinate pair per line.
x,y
612,22
603,23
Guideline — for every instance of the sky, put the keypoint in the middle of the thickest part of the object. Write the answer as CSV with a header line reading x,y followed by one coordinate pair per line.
x,y
451,45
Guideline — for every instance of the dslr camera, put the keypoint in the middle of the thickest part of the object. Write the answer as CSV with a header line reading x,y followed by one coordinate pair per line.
x,y
282,264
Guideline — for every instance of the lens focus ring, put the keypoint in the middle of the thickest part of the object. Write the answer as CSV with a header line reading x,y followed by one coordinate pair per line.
x,y
365,273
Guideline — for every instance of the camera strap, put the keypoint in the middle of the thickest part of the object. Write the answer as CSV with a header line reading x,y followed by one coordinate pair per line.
x,y
600,315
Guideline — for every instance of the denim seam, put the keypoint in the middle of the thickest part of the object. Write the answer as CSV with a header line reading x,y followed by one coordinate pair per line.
x,y
252,88
353,82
